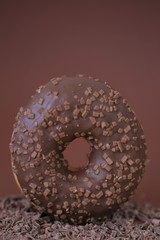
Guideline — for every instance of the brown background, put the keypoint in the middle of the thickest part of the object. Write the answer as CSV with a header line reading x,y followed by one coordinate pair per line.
x,y
117,41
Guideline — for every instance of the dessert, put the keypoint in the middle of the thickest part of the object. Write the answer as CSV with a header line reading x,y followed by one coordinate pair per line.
x,y
59,112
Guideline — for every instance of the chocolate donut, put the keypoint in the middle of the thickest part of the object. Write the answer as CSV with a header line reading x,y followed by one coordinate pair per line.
x,y
64,109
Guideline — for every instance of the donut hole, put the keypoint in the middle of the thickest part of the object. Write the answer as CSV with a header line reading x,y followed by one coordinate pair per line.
x,y
76,154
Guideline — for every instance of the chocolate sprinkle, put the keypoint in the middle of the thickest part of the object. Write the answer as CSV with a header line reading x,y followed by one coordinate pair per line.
x,y
20,221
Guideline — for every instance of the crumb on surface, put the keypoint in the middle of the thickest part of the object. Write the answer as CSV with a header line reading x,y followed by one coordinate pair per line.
x,y
20,221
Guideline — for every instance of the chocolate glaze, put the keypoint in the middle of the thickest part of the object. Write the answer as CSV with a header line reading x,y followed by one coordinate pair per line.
x,y
60,111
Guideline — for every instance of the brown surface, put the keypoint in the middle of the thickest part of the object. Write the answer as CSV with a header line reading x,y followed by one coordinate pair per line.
x,y
117,41
19,221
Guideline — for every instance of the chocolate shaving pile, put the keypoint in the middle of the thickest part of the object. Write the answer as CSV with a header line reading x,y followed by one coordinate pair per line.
x,y
20,221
